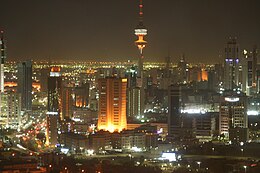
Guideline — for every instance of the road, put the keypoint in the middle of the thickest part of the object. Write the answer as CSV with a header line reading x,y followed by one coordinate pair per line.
x,y
219,157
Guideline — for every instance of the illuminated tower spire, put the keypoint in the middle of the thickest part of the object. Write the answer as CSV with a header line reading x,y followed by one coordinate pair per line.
x,y
140,32
3,56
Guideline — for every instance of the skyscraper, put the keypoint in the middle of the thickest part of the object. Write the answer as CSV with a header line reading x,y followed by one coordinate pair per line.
x,y
174,119
232,115
24,84
182,70
231,65
135,102
249,69
112,104
254,70
14,116
54,91
54,112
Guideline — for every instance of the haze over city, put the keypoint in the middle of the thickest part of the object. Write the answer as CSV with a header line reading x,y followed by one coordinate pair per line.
x,y
112,86
102,30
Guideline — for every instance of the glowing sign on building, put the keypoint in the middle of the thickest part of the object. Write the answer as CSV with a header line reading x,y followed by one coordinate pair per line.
x,y
231,99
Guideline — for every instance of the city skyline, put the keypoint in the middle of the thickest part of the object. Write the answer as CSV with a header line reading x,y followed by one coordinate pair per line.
x,y
103,30
129,86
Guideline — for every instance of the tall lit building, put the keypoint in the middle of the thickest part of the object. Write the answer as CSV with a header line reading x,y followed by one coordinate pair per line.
x,y
231,65
254,69
54,90
249,72
54,108
135,103
112,104
15,119
232,115
24,84
182,70
12,117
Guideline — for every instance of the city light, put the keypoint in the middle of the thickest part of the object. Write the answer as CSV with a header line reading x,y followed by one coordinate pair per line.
x,y
194,111
77,95
136,149
199,164
231,99
251,112
90,152
169,156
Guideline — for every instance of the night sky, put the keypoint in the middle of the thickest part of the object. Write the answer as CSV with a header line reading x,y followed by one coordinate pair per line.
x,y
103,30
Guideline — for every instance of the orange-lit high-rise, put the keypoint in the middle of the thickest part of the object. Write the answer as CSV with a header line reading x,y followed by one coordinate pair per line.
x,y
112,104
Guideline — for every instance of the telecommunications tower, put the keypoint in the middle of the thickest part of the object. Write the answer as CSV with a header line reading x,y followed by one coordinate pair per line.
x,y
140,32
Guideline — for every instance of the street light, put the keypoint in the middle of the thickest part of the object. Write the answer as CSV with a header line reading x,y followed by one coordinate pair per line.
x,y
245,168
130,156
50,167
199,164
66,169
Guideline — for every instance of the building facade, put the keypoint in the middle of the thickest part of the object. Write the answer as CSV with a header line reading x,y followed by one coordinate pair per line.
x,y
54,107
232,113
112,104
231,64
174,96
24,84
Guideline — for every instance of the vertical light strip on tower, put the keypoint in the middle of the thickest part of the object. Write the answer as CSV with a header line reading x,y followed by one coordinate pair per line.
x,y
3,56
